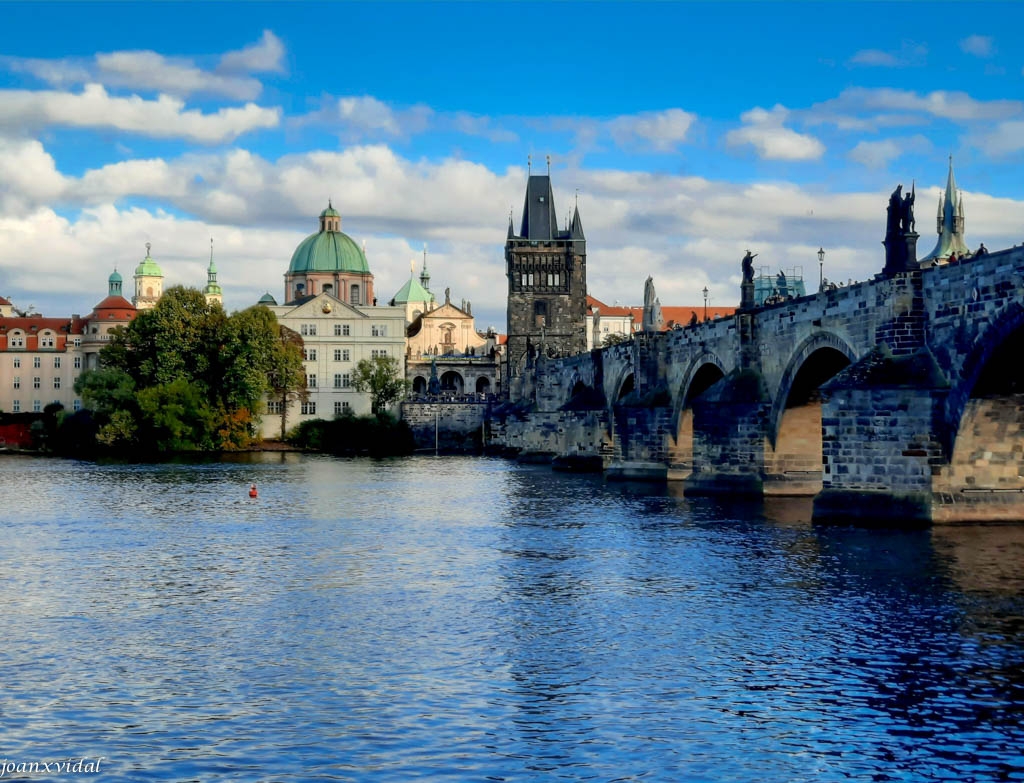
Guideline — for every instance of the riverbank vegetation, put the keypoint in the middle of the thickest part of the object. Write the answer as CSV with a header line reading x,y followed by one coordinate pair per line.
x,y
184,376
378,435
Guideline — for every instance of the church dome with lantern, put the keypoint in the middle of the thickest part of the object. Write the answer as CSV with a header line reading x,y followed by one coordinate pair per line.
x,y
329,261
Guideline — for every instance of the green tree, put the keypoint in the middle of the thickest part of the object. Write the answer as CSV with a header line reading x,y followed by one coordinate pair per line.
x,y
180,337
287,375
614,338
382,378
246,358
176,416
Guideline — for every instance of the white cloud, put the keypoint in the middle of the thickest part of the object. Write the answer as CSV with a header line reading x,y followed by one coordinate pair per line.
x,y
879,154
265,56
663,131
28,176
1004,138
978,45
765,131
146,70
875,57
864,108
909,54
165,117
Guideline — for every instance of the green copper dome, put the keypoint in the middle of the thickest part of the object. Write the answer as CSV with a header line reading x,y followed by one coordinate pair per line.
x,y
148,267
328,251
115,277
267,299
330,211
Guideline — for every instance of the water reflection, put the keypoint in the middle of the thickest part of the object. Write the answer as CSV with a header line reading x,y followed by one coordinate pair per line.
x,y
466,619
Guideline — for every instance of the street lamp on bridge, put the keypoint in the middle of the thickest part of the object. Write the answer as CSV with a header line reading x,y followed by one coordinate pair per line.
x,y
821,269
705,303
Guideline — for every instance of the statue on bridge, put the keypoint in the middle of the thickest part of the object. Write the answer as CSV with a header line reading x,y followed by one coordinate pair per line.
x,y
900,238
747,286
748,267
652,318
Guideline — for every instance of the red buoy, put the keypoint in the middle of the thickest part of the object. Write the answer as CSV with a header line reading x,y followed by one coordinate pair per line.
x,y
252,491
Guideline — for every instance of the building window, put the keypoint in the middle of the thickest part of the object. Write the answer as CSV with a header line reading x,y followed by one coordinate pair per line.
x,y
36,382
378,331
337,408
37,406
345,330
274,407
78,362
312,330
17,381
17,340
37,362
354,297
77,404
56,362
311,381
346,380
309,354
46,341
337,330
309,409
17,362
337,354
16,407
345,355
376,352
337,380
78,342
56,382
553,279
307,330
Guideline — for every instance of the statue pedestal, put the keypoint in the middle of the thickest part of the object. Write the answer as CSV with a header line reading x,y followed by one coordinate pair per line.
x,y
911,238
747,295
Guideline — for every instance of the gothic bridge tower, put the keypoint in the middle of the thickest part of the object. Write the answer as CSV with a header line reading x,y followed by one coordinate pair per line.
x,y
547,284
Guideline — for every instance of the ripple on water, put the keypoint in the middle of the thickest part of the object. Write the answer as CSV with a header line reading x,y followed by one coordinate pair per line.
x,y
471,619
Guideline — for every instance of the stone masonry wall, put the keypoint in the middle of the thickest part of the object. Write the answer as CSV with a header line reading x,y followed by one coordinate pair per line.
x,y
458,425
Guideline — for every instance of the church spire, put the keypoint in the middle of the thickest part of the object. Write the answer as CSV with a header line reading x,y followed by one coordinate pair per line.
x,y
425,275
213,291
949,222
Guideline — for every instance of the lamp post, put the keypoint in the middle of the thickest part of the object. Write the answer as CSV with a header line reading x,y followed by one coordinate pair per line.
x,y
821,268
705,303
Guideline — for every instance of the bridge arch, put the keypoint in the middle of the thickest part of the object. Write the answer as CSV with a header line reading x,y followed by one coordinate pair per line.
x,y
828,344
793,452
987,347
703,372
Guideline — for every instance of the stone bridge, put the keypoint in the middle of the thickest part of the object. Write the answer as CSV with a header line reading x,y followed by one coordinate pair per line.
x,y
897,398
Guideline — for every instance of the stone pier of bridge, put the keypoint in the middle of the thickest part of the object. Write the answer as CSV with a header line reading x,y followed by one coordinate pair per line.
x,y
896,399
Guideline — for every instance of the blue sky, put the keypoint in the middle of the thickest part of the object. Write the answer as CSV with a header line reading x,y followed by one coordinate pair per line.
x,y
691,131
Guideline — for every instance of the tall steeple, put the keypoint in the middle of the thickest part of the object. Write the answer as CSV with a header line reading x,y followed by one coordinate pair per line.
x,y
212,292
425,275
949,223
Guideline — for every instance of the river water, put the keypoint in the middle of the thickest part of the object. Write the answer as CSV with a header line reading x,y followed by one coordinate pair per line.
x,y
471,619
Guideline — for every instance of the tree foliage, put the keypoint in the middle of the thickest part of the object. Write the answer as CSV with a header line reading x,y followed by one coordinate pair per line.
x,y
184,376
287,374
382,378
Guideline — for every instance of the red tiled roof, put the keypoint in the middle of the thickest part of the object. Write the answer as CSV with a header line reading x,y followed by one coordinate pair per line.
x,y
4,300
25,323
681,315
114,308
605,309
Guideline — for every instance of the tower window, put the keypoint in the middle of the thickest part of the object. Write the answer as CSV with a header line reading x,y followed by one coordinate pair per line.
x,y
540,313
354,295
